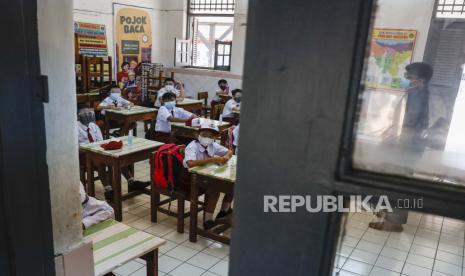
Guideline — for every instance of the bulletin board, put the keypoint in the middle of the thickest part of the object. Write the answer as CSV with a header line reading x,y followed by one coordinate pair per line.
x,y
91,39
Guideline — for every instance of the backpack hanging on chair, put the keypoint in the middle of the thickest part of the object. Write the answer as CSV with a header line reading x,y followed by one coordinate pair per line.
x,y
168,167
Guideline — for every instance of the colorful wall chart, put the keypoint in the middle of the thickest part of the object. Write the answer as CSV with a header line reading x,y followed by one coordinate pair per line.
x,y
91,39
391,50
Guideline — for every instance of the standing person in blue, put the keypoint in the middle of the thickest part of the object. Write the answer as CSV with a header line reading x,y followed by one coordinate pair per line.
x,y
412,143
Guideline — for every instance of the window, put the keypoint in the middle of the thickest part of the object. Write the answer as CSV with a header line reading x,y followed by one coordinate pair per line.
x,y
450,9
210,29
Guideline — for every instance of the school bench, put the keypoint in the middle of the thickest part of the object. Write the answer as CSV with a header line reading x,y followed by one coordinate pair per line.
x,y
115,244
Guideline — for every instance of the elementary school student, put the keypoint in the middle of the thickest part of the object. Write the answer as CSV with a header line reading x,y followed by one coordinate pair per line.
x,y
93,210
89,132
223,90
233,104
169,86
114,101
168,113
204,151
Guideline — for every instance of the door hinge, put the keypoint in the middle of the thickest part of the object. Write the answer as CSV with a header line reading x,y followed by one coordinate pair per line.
x,y
43,87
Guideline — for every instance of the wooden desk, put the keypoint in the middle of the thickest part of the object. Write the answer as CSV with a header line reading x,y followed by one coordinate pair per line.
x,y
115,244
191,105
224,98
117,159
214,178
237,114
181,130
126,117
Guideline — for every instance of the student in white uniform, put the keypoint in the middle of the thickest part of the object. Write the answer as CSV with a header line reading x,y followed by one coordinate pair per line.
x,y
233,104
223,90
169,86
89,132
168,113
236,139
204,151
114,101
93,210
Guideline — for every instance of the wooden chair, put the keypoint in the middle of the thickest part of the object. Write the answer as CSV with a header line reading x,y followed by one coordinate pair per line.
x,y
180,195
206,109
115,244
216,111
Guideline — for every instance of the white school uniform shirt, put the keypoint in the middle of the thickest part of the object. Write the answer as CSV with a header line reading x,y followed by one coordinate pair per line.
x,y
94,130
162,124
228,108
163,91
236,138
108,101
217,98
93,210
195,151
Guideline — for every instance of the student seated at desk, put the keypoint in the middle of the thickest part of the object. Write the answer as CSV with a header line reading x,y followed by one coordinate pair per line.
x,y
205,151
168,113
224,90
233,104
89,132
169,86
93,210
114,101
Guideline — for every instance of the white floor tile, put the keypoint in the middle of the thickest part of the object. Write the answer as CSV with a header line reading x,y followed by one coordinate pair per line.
x,y
176,237
346,273
339,261
369,246
449,258
203,260
200,245
420,261
457,250
394,253
182,253
413,270
345,250
357,267
218,250
159,230
187,270
447,268
423,251
221,268
167,263
208,273
377,271
363,256
374,238
350,241
390,264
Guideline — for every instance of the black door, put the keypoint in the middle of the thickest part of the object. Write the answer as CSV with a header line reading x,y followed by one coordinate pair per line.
x,y
26,243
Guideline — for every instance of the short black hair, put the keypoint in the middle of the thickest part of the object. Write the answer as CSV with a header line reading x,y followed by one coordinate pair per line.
x,y
168,96
422,70
168,79
124,64
222,81
236,91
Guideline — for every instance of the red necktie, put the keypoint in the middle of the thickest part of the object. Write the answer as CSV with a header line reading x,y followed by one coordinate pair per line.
x,y
89,136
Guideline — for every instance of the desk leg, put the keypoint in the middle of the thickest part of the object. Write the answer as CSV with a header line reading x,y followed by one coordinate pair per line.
x,y
193,209
125,129
152,262
116,182
106,130
90,175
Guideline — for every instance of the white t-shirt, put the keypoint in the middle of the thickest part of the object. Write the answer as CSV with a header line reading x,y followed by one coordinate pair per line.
x,y
94,131
163,91
228,108
195,151
162,124
236,138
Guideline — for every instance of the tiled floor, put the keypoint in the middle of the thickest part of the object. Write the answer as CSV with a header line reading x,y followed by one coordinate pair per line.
x,y
429,245
178,257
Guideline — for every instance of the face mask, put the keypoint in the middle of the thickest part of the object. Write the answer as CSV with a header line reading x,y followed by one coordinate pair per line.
x,y
170,105
223,87
205,141
405,83
238,100
114,96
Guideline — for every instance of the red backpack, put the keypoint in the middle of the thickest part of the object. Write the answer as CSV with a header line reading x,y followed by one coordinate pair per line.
x,y
168,167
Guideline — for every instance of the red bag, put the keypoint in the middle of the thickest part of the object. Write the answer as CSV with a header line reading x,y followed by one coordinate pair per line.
x,y
168,167
113,145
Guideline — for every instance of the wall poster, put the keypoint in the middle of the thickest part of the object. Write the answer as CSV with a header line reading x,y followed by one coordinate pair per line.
x,y
91,39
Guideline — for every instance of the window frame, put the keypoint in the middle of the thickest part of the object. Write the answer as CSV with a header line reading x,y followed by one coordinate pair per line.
x,y
435,11
189,33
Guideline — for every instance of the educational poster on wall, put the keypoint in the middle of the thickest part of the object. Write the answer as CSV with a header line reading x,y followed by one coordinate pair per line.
x,y
91,39
391,50
133,35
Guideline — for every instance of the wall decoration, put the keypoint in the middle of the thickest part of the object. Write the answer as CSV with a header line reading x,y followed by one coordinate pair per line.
x,y
391,50
91,39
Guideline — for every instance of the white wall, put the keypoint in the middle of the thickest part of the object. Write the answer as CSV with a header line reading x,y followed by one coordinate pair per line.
x,y
411,14
56,46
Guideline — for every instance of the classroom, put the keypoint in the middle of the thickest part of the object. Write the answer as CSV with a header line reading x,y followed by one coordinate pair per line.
x,y
233,137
